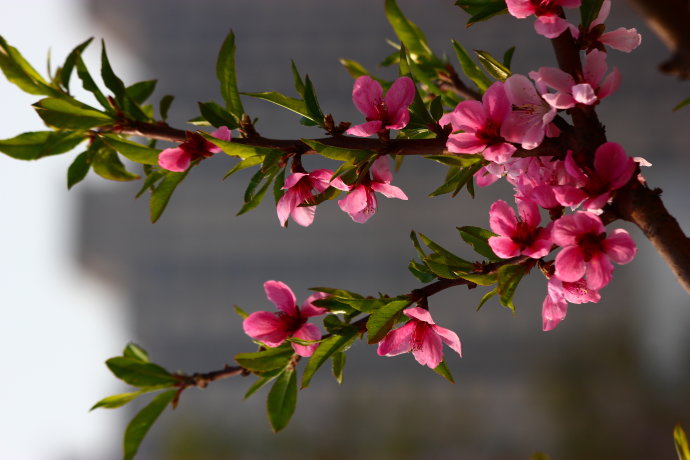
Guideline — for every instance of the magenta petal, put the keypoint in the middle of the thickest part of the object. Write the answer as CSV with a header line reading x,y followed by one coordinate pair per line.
x,y
499,153
286,204
306,332
550,26
266,327
502,219
308,308
449,337
496,103
620,247
389,191
541,247
419,314
399,96
599,271
584,94
570,264
553,311
528,212
282,297
355,201
613,165
380,170
595,67
520,8
504,246
604,11
398,341
174,159
556,79
366,95
303,215
470,116
465,143
429,350
365,129
622,39
569,228
610,84
578,292
292,179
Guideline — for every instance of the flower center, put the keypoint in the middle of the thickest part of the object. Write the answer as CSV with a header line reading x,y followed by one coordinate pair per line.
x,y
544,7
524,235
490,134
591,244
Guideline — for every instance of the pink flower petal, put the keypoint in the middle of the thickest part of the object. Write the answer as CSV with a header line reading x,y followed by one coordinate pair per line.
x,y
428,347
584,94
550,26
570,264
569,228
620,247
610,84
365,129
224,134
419,314
502,219
504,246
520,8
553,311
470,116
174,159
465,143
366,95
578,292
303,215
603,14
286,204
599,271
308,331
380,170
613,165
559,100
292,179
528,212
355,201
399,96
398,341
595,67
308,308
499,153
282,297
496,103
266,327
556,79
567,195
622,39
389,191
449,337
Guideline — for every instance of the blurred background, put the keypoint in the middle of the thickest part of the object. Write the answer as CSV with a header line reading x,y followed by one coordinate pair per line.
x,y
82,273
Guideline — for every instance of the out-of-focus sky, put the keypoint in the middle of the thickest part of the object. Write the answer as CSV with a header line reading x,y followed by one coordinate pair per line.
x,y
58,324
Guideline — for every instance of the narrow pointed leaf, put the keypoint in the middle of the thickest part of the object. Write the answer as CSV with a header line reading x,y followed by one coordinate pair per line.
x,y
470,69
312,102
142,422
70,61
131,150
89,84
138,373
78,170
338,365
509,277
589,10
18,71
106,163
282,400
115,401
408,33
162,193
141,91
134,351
481,10
495,68
296,105
39,144
325,350
264,378
216,115
486,298
382,320
226,73
681,443
266,360
339,153
69,114
478,238
443,370
297,78
164,105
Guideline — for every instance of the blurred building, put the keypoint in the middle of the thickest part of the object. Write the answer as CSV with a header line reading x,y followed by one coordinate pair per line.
x,y
593,388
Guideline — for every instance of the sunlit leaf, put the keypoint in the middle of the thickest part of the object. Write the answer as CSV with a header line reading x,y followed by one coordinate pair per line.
x,y
142,422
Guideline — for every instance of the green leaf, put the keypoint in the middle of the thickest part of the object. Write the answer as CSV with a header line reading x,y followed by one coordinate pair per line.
x,y
163,192
495,68
509,277
266,360
107,164
243,314
682,104
342,293
217,115
39,144
244,164
312,102
681,442
445,255
470,69
486,298
112,81
461,161
478,278
115,401
481,10
264,378
338,365
138,373
421,272
383,319
339,153
237,149
278,191
443,370
164,105
18,71
508,57
478,238
466,179
297,78
252,199
70,61
296,105
89,84
326,349
354,68
78,170
141,423
131,150
417,246
141,91
408,33
69,114
134,351
282,400
589,10
225,71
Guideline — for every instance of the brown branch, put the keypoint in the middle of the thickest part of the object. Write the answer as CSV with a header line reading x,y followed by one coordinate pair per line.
x,y
201,380
670,21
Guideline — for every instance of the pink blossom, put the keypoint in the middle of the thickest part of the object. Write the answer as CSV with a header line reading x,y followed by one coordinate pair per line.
x,y
178,159
382,112
538,179
548,23
299,188
361,202
555,305
621,39
482,125
569,92
422,337
272,329
531,117
612,170
518,236
587,249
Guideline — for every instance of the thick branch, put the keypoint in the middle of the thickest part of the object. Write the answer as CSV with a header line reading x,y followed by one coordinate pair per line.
x,y
670,20
201,380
